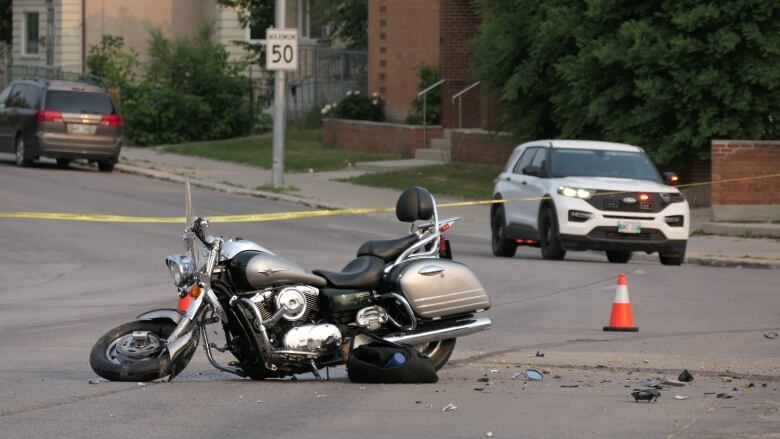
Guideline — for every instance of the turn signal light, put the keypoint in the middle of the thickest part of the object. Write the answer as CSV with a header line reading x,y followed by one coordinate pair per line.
x,y
195,291
644,197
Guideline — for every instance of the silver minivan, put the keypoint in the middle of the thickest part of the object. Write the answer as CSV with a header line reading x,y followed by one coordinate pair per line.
x,y
61,120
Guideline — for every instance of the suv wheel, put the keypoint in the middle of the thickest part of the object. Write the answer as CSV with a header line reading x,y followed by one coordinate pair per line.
x,y
548,234
22,159
673,258
106,165
501,246
618,256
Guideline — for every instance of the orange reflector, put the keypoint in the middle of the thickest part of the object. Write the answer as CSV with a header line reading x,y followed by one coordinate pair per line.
x,y
184,303
195,291
674,178
644,197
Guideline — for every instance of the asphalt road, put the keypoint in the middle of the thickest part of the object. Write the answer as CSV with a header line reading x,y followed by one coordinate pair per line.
x,y
66,283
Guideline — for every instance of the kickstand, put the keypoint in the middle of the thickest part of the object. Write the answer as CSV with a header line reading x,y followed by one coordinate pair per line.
x,y
315,371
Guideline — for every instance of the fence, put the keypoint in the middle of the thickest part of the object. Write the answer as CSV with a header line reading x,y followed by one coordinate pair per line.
x,y
324,76
34,72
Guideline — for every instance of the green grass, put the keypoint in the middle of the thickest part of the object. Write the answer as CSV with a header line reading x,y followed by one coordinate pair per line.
x,y
466,181
304,151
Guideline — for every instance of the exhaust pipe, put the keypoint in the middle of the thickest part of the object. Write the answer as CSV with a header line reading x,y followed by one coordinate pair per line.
x,y
460,329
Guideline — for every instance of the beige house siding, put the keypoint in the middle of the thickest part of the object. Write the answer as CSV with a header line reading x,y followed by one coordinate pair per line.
x,y
229,32
19,7
67,31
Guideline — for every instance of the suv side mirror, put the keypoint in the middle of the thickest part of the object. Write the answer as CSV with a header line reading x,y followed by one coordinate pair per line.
x,y
671,178
533,171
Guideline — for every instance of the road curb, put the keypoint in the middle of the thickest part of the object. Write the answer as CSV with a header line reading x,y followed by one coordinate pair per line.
x,y
721,262
233,190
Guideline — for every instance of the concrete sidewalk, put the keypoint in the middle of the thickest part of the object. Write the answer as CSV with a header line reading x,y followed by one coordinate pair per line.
x,y
320,190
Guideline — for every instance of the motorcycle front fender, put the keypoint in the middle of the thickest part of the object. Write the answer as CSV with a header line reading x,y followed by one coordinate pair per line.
x,y
162,313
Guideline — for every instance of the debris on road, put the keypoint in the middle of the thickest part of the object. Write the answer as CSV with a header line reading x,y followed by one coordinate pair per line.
x,y
489,434
483,379
95,381
771,335
685,376
517,374
141,384
681,397
673,383
533,375
449,407
723,396
538,354
651,382
648,395
258,401
322,395
493,370
570,385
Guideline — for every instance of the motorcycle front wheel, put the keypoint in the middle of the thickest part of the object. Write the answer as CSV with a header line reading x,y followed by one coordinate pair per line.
x,y
135,352
438,351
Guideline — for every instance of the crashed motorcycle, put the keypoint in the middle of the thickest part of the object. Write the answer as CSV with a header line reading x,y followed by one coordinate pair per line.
x,y
279,320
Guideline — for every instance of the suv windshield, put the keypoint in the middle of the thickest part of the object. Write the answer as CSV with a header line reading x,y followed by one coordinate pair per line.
x,y
601,163
79,102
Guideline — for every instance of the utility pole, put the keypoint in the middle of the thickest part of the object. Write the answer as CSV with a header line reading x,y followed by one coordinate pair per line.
x,y
280,106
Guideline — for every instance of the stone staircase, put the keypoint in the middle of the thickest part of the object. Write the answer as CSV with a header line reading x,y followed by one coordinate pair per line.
x,y
439,150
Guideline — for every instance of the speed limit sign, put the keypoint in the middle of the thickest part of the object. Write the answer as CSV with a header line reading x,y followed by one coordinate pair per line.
x,y
281,49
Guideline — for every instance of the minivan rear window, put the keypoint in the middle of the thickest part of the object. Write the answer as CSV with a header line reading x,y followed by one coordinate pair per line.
x,y
79,102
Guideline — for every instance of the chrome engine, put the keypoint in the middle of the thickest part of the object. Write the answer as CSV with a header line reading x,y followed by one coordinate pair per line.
x,y
322,339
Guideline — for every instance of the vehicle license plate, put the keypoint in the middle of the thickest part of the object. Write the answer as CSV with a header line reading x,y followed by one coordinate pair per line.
x,y
629,227
80,128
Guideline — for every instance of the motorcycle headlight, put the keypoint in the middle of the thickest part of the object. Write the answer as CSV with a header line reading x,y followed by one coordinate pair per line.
x,y
573,192
182,269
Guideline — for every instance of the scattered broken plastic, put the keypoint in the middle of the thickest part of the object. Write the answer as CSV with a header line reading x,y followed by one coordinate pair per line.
x,y
322,395
681,397
570,385
533,375
648,395
685,376
449,407
94,381
493,370
141,384
771,335
539,354
258,402
673,383
489,434
654,383
723,396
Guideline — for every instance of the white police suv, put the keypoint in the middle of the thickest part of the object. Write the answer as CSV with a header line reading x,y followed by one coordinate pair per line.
x,y
565,195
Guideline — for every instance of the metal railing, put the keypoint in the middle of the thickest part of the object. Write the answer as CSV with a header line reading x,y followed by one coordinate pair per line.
x,y
459,96
424,95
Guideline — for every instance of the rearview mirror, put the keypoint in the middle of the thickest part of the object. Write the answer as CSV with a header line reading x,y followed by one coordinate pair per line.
x,y
671,178
532,170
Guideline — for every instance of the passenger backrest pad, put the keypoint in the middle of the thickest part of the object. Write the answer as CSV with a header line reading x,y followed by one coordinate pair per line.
x,y
415,203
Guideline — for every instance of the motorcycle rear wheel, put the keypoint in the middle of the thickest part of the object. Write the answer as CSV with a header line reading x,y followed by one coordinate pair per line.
x,y
438,351
117,356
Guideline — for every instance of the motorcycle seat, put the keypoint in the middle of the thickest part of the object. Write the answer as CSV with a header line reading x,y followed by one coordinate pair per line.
x,y
387,250
361,272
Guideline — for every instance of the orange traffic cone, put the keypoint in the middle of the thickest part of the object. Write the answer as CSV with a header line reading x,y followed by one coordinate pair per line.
x,y
621,320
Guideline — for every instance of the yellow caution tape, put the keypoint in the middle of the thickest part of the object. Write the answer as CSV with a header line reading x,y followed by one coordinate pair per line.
x,y
261,217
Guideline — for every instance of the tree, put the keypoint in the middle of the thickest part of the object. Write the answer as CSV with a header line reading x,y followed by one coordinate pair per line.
x,y
669,75
348,17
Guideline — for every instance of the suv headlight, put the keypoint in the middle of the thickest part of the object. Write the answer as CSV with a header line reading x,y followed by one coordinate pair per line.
x,y
672,197
573,192
182,269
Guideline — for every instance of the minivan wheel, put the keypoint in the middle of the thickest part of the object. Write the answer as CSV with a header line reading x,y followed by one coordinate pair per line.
x,y
22,159
63,163
106,165
549,241
502,246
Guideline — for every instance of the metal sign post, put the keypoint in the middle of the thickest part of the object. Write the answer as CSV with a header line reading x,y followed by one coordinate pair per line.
x,y
281,55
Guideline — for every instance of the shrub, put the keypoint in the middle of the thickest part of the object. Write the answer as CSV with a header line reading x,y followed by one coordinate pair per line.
x,y
190,92
357,106
428,76
110,61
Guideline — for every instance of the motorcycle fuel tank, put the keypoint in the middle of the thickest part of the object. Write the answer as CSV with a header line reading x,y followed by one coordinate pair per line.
x,y
254,270
439,287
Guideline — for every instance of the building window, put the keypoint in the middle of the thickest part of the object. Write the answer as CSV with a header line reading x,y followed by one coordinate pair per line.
x,y
30,33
